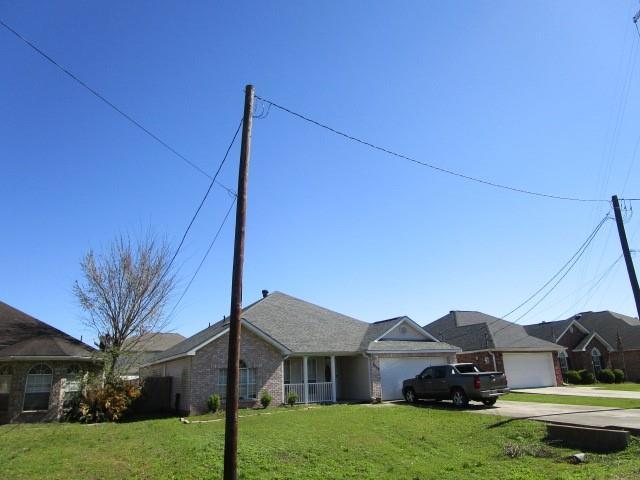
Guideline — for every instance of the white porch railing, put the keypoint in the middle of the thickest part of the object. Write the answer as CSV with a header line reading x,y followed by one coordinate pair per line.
x,y
318,392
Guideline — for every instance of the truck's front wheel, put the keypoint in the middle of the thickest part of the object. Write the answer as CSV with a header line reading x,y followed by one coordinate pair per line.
x,y
459,398
410,395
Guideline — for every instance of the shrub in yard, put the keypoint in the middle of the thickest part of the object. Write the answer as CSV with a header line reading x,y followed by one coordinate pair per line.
x,y
573,377
265,398
99,402
213,402
619,375
587,377
606,376
292,398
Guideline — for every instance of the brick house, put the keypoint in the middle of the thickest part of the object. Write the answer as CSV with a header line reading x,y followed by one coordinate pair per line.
x,y
494,344
595,340
40,366
289,345
141,349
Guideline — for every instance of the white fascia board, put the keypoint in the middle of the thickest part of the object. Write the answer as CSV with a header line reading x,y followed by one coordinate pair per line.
x,y
597,336
517,349
574,323
49,358
405,352
412,323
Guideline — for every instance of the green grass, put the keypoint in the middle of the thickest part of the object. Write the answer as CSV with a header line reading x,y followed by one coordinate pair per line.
x,y
355,442
626,387
573,400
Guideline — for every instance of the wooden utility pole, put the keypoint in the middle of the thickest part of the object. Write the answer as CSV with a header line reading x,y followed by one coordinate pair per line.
x,y
625,251
233,363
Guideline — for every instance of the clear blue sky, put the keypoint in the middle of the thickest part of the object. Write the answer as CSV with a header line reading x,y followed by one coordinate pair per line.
x,y
541,95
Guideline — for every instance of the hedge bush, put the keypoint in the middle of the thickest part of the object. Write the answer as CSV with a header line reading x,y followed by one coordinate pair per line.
x,y
606,376
213,402
265,398
587,377
619,375
292,398
573,377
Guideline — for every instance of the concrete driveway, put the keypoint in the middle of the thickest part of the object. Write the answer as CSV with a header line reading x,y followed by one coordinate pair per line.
x,y
581,392
582,415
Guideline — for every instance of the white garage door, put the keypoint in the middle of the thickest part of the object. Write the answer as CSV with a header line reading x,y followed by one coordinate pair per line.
x,y
394,370
528,370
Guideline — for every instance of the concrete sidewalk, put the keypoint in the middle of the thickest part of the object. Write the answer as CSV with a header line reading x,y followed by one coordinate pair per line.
x,y
581,392
581,415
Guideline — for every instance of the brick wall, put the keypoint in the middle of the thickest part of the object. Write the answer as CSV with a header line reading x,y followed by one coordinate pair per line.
x,y
255,352
582,360
558,370
376,384
20,369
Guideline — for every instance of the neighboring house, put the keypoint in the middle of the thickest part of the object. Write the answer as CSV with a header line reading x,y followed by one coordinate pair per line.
x,y
495,344
40,366
595,340
142,349
289,345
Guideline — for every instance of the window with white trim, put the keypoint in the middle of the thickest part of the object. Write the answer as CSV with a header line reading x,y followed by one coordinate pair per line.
x,y
72,383
6,374
596,358
38,388
246,382
564,362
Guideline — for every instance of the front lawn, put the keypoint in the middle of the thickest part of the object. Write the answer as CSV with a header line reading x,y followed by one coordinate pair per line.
x,y
573,400
355,442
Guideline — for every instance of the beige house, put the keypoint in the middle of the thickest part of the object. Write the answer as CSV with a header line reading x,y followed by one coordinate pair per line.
x,y
290,345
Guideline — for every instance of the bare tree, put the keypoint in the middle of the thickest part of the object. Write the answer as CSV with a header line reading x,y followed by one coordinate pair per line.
x,y
124,293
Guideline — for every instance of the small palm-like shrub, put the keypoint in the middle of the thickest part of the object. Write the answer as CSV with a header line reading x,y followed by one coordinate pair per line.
x,y
619,375
265,398
292,398
606,376
213,403
573,377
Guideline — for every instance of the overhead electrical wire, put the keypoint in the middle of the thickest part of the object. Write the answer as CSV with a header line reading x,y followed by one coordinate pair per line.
x,y
113,106
195,273
426,164
566,269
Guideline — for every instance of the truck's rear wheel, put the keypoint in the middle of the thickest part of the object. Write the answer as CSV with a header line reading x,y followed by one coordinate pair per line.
x,y
459,398
410,395
489,401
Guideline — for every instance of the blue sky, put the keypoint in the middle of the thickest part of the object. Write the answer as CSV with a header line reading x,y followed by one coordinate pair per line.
x,y
542,95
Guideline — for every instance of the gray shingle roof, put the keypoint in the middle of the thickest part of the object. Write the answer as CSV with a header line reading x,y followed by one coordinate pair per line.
x,y
606,323
303,327
153,342
479,331
408,346
22,335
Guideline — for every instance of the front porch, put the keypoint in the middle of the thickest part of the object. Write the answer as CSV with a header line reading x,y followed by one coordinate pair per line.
x,y
311,378
327,379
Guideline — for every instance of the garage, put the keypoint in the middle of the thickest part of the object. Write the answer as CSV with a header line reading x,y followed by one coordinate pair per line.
x,y
529,370
394,370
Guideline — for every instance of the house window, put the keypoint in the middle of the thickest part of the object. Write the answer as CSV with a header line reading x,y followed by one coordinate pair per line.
x,y
247,382
38,388
72,383
293,371
564,362
5,387
596,357
312,365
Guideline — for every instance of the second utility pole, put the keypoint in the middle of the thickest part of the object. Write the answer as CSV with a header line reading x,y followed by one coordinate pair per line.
x,y
233,361
627,254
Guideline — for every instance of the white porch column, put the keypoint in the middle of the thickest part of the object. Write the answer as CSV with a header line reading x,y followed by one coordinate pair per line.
x,y
305,377
333,378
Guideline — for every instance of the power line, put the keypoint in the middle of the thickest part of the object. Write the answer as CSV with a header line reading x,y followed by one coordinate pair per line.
x,y
113,106
204,198
425,164
575,257
568,266
193,277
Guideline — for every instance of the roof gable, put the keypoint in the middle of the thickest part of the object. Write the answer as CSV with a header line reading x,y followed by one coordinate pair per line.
x,y
26,336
